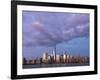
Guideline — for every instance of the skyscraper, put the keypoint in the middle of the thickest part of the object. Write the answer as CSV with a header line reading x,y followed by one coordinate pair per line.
x,y
45,56
54,53
58,58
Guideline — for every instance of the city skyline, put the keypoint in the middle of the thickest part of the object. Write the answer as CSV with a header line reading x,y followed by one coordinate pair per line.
x,y
43,30
55,59
62,49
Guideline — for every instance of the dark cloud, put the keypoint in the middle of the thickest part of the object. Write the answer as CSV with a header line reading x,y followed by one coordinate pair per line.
x,y
50,29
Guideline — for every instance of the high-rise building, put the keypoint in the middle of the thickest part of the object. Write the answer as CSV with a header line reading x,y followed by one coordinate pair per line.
x,y
49,57
45,56
64,57
54,55
58,58
68,58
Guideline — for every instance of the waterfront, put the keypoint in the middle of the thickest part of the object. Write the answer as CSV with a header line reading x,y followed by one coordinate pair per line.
x,y
56,60
54,65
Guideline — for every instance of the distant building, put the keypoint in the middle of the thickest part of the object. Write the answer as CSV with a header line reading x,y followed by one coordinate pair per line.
x,y
68,58
54,55
64,58
45,56
58,58
61,59
52,58
49,57
33,61
24,61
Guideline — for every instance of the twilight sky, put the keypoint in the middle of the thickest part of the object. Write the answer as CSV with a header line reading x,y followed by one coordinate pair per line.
x,y
43,30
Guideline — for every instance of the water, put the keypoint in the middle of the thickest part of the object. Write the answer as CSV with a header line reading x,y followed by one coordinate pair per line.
x,y
54,65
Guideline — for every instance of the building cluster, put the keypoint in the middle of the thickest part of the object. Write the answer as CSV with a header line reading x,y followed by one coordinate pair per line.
x,y
57,58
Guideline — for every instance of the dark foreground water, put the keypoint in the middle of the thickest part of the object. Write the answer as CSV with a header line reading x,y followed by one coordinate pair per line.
x,y
54,65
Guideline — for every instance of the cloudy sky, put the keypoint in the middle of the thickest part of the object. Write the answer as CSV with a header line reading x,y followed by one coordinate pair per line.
x,y
43,30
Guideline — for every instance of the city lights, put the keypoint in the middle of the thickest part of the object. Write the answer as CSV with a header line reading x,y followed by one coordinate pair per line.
x,y
55,58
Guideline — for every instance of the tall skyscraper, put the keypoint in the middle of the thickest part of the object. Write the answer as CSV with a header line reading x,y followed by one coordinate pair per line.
x,y
54,53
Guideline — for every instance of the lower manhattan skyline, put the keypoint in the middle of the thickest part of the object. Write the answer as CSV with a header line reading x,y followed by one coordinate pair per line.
x,y
68,47
43,30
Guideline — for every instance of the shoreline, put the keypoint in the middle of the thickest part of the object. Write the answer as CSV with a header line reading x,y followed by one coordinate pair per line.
x,y
28,66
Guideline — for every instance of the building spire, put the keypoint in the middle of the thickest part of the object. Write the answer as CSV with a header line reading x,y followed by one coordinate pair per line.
x,y
55,49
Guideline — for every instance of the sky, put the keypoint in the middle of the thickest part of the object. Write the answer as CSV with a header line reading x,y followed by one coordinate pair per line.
x,y
43,30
